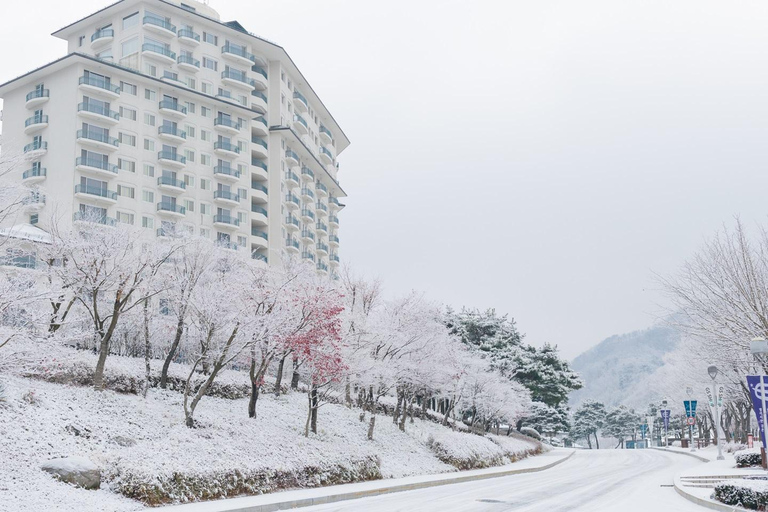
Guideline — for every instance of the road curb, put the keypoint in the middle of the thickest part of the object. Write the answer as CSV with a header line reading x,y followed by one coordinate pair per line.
x,y
702,459
710,504
321,500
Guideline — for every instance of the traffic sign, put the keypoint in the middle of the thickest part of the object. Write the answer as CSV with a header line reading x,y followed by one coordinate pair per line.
x,y
690,408
691,421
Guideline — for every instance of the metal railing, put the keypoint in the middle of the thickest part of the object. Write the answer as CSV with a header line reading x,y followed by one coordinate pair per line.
x,y
226,146
40,93
99,82
187,59
97,136
96,163
226,171
171,130
102,32
170,155
226,194
172,105
156,48
159,22
98,109
43,119
185,32
223,218
167,206
171,182
96,191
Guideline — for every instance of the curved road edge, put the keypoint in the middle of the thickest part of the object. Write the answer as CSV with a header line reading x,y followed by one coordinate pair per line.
x,y
702,459
250,504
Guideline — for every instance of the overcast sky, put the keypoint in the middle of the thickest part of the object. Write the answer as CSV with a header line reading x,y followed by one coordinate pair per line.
x,y
541,157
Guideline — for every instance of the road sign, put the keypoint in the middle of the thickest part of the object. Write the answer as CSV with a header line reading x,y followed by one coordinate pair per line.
x,y
643,428
665,418
758,391
759,346
690,408
691,421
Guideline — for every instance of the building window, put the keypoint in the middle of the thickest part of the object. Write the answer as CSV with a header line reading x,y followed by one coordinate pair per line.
x,y
130,46
128,88
205,184
189,181
149,144
189,205
205,159
210,38
126,165
131,21
127,139
205,209
126,191
150,69
210,63
241,240
282,76
34,219
205,112
125,218
148,196
207,87
190,131
205,232
189,155
149,119
128,113
205,135
149,170
81,41
191,83
149,94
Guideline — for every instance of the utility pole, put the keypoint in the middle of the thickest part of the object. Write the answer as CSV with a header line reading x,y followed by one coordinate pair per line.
x,y
715,402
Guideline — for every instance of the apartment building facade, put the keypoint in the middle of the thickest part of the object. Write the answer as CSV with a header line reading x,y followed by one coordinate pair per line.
x,y
164,117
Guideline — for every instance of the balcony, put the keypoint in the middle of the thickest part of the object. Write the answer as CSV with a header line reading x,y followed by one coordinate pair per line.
x,y
300,124
292,245
334,203
171,184
307,194
226,125
322,248
168,232
171,134
300,102
158,52
98,113
226,173
258,215
172,108
170,209
259,169
307,174
326,135
259,148
226,197
291,158
333,221
333,240
98,194
35,124
260,80
322,190
306,255
237,78
321,228
159,26
259,193
322,267
334,259
308,215
291,180
259,101
259,127
98,85
96,139
34,175
35,149
292,223
225,221
292,202
308,236
226,149
35,201
96,166
325,155
321,209
37,97
188,63
189,37
102,37
171,159
91,217
238,54
259,238
259,257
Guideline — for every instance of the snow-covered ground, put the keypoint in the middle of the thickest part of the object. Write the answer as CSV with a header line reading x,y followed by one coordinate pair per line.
x,y
146,452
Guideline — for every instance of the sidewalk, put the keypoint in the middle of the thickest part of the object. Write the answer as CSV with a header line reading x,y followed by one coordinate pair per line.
x,y
697,484
308,497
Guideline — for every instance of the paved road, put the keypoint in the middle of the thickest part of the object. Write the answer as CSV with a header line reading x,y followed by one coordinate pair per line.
x,y
590,481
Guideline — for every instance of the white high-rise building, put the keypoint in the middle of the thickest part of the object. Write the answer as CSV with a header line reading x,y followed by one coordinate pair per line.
x,y
164,117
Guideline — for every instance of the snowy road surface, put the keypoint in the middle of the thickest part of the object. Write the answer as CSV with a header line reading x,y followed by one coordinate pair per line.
x,y
590,481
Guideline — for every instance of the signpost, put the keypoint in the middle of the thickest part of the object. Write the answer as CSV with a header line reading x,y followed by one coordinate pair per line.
x,y
643,428
759,346
715,402
690,413
665,420
649,422
758,388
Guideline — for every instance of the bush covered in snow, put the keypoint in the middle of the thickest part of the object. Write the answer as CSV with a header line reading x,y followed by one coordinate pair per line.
x,y
531,432
747,493
745,459
733,447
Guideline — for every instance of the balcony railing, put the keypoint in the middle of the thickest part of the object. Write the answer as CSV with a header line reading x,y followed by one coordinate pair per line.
x,y
307,234
172,105
226,146
258,186
333,200
290,242
39,93
307,192
324,151
308,256
259,163
238,76
34,173
293,199
185,32
226,171
301,121
223,218
36,120
293,221
289,153
320,186
97,136
171,182
90,217
223,121
259,94
257,232
322,247
96,163
334,238
322,266
96,191
159,22
98,109
260,257
308,213
260,142
239,51
171,130
34,198
321,206
170,155
326,131
307,172
259,209
167,206
321,227
99,82
290,175
333,219
102,32
188,59
36,146
299,96
334,257
262,120
226,194
260,70
156,48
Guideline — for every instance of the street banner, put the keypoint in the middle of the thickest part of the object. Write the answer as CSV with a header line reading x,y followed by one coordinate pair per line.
x,y
690,408
643,428
720,394
757,391
665,418
710,396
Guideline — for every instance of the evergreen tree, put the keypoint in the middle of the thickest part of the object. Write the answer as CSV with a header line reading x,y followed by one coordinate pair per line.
x,y
548,376
621,424
588,419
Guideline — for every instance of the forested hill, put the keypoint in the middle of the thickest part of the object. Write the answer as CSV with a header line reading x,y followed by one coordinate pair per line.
x,y
614,369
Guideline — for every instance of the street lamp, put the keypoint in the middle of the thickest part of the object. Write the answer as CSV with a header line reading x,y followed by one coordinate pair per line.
x,y
713,371
664,404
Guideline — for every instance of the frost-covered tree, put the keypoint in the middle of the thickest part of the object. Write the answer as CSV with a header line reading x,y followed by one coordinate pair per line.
x,y
621,424
545,419
588,419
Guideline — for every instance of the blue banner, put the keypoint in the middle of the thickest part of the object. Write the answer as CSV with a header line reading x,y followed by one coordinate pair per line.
x,y
643,428
690,408
756,390
665,418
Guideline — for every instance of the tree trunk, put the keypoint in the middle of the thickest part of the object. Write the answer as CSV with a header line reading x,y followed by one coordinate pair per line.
x,y
589,442
295,377
147,350
448,409
396,414
597,442
98,374
348,393
279,378
371,424
172,352
314,405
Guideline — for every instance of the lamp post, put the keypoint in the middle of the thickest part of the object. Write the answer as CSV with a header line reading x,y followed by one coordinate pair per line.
x,y
664,404
713,371
689,392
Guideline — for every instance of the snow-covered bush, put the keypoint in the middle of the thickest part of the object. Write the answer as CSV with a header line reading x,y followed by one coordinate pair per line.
x,y
531,432
516,448
732,447
747,459
751,494
466,451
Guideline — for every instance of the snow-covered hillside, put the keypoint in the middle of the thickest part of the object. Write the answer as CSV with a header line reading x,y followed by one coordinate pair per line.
x,y
148,455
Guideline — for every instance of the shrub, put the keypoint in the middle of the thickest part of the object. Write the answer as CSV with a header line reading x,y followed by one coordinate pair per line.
x,y
531,432
748,459
741,496
732,447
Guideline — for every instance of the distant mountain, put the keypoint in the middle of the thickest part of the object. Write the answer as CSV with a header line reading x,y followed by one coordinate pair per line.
x,y
614,369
